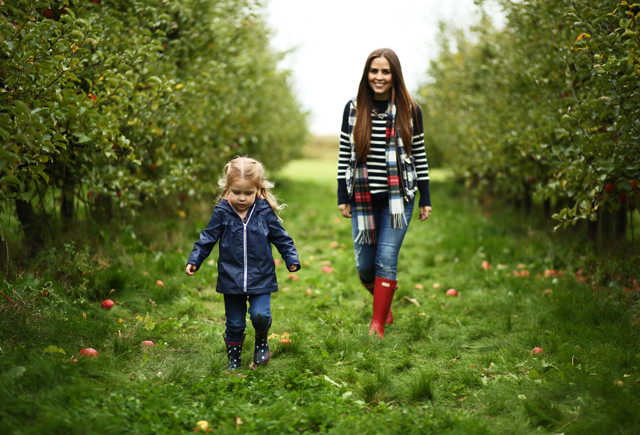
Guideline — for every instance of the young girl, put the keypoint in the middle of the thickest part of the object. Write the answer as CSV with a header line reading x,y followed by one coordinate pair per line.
x,y
382,163
246,223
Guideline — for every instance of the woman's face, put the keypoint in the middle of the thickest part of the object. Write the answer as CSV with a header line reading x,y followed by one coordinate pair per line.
x,y
380,78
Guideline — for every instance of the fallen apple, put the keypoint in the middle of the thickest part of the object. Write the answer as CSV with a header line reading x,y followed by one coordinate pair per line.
x,y
276,261
334,245
485,265
327,269
148,343
419,286
107,304
159,283
536,350
452,292
73,360
89,352
285,341
293,276
436,286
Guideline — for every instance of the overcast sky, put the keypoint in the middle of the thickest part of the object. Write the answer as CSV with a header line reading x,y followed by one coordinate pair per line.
x,y
331,40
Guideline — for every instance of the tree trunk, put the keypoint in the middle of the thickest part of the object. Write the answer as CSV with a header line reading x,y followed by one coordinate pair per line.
x,y
32,228
66,208
527,200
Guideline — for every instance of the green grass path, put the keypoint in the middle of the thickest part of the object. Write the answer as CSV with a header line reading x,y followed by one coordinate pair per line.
x,y
447,365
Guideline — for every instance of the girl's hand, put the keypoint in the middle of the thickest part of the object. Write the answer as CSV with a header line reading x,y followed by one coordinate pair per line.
x,y
425,212
294,267
191,268
345,210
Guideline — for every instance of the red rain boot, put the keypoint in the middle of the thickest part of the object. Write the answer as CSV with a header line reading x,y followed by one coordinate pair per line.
x,y
369,287
383,292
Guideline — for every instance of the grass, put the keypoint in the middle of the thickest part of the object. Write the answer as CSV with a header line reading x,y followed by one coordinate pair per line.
x,y
452,365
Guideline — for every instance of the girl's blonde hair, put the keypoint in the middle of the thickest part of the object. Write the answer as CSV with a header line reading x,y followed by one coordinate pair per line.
x,y
252,171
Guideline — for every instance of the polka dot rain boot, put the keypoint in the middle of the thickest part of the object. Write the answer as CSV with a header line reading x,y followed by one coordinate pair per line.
x,y
234,351
261,354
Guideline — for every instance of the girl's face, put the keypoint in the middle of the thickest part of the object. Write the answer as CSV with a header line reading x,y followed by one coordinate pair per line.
x,y
380,78
242,195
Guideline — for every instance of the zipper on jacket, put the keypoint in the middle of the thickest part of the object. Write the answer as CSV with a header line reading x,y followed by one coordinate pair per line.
x,y
244,244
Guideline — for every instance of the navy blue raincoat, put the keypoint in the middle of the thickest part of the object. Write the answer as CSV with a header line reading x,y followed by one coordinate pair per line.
x,y
245,263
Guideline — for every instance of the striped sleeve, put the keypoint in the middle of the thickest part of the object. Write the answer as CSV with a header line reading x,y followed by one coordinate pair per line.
x,y
422,166
343,157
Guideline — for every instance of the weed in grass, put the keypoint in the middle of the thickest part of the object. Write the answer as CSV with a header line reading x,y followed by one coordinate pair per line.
x,y
419,326
543,412
421,387
378,388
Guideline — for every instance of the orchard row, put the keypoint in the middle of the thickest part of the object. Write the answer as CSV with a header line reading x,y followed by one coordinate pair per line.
x,y
111,102
549,105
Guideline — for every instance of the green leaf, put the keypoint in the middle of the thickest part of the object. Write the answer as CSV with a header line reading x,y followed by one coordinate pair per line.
x,y
9,179
54,349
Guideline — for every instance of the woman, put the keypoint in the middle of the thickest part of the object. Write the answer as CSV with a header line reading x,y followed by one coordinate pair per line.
x,y
378,175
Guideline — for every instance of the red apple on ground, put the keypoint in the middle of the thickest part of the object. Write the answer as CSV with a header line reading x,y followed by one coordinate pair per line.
x,y
485,265
148,343
609,188
159,283
536,350
107,304
452,292
89,352
293,276
73,361
327,269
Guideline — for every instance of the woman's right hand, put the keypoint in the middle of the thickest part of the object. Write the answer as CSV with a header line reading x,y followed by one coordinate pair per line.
x,y
345,210
191,268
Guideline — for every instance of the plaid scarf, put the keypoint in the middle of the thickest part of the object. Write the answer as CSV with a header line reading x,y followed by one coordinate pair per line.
x,y
363,209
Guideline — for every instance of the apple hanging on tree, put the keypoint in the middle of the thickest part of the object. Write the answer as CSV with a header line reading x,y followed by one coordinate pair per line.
x,y
609,188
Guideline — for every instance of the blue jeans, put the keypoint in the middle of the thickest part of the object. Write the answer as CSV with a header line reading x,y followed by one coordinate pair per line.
x,y
235,307
380,259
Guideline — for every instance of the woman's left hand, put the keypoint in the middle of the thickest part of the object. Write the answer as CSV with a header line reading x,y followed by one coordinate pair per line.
x,y
425,212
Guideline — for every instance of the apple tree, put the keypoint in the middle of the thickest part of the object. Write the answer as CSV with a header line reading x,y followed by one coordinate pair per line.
x,y
104,103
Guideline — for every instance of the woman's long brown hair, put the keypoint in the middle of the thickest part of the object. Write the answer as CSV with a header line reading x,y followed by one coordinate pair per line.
x,y
399,95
